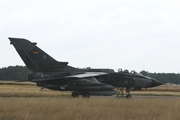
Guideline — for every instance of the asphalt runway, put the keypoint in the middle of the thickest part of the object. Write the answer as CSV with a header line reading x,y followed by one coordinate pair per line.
x,y
151,97
139,96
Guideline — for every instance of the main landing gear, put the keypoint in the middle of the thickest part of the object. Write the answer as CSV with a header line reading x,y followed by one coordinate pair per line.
x,y
120,93
77,94
74,94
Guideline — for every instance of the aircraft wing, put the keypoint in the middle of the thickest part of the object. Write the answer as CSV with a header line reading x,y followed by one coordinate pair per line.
x,y
71,77
87,75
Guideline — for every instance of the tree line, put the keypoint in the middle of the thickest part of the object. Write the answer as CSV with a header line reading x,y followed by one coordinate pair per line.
x,y
21,73
164,77
14,73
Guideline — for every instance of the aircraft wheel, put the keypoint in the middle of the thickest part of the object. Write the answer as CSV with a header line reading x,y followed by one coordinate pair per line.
x,y
74,94
128,96
86,95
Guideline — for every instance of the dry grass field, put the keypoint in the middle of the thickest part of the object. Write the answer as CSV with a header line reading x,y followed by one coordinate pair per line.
x,y
25,101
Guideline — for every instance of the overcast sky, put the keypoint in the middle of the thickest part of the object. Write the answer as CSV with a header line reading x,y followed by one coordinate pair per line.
x,y
129,34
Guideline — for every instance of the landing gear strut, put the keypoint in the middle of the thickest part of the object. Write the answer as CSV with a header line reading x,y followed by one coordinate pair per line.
x,y
120,92
128,90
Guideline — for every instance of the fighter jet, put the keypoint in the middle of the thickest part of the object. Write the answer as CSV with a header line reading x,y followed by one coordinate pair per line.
x,y
55,75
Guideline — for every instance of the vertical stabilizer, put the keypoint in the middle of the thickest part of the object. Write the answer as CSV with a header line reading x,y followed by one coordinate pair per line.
x,y
35,58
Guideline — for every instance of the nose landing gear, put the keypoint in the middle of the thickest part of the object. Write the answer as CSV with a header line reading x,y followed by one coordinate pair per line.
x,y
120,93
128,90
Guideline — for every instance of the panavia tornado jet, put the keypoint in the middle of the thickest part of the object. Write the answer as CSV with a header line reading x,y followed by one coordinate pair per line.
x,y
55,75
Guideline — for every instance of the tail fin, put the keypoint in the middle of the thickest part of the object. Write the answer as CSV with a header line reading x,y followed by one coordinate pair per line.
x,y
35,58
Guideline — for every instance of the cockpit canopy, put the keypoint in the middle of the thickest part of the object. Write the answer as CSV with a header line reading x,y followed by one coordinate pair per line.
x,y
127,71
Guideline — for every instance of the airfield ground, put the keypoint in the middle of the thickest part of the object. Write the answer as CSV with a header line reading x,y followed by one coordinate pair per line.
x,y
21,101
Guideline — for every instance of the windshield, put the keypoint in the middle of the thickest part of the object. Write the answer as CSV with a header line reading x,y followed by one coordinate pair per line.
x,y
136,73
127,71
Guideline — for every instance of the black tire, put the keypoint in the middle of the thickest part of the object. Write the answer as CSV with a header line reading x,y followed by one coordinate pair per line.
x,y
74,94
86,95
128,96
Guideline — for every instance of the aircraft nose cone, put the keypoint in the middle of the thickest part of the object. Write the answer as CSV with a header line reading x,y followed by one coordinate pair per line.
x,y
155,83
